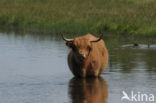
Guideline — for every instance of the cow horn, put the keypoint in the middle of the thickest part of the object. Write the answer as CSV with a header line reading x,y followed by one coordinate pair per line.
x,y
97,39
69,40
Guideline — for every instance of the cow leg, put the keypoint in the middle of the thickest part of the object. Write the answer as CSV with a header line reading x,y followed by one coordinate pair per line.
x,y
83,74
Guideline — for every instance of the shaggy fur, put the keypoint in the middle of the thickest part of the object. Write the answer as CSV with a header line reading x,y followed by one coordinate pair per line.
x,y
87,58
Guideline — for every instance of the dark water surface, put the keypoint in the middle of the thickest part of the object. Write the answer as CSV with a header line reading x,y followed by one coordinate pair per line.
x,y
33,69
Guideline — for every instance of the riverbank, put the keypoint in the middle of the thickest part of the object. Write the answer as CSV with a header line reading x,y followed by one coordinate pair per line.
x,y
118,17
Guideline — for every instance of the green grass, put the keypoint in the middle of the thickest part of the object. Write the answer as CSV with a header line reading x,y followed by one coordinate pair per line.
x,y
132,17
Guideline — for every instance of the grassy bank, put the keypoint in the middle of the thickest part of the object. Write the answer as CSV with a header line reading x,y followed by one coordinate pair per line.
x,y
133,17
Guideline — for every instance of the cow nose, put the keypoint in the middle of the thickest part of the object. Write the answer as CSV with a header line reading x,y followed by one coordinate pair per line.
x,y
83,55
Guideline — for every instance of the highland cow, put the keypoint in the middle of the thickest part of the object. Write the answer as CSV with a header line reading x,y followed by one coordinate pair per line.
x,y
88,55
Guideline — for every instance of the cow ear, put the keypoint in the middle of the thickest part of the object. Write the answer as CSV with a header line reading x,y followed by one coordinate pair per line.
x,y
69,44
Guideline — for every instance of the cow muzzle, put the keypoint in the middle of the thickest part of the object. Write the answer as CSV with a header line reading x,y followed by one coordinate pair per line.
x,y
82,56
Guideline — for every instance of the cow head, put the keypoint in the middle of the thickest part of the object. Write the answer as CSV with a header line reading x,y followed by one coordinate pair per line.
x,y
81,47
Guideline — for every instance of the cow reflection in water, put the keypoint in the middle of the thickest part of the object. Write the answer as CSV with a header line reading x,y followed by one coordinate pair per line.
x,y
88,90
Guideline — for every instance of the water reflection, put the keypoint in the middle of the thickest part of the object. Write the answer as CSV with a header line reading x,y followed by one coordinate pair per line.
x,y
89,90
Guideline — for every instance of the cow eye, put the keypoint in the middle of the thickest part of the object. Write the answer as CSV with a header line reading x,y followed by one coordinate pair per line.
x,y
89,48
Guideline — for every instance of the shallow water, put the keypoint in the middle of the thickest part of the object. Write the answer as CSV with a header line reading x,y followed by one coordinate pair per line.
x,y
33,69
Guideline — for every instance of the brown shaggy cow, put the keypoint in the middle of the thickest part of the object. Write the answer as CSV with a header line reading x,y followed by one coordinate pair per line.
x,y
88,55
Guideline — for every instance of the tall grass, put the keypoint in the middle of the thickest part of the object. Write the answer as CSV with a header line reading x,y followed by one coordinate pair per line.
x,y
133,17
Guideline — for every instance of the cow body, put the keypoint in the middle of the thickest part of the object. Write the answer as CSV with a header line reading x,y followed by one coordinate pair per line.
x,y
94,59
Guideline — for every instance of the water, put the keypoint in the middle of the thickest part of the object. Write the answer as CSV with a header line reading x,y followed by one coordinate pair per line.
x,y
33,69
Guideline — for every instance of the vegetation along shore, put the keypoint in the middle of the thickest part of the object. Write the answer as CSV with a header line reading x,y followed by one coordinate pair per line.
x,y
123,17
